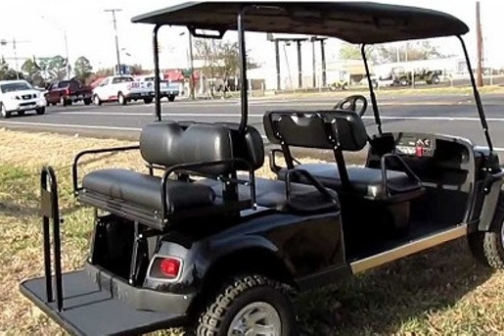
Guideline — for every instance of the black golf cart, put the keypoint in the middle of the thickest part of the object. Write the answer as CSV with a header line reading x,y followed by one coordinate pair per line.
x,y
198,241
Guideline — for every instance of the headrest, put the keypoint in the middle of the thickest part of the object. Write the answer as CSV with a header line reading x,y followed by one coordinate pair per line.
x,y
170,143
319,129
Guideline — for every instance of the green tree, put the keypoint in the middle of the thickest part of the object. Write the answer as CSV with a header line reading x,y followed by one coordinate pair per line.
x,y
58,67
411,51
82,69
32,72
350,52
7,73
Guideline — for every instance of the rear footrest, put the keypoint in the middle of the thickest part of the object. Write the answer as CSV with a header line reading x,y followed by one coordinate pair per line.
x,y
91,310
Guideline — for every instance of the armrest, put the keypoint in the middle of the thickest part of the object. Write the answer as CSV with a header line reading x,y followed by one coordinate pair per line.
x,y
189,169
95,151
407,170
313,181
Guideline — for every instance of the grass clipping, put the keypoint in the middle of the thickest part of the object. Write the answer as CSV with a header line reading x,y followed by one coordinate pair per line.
x,y
441,292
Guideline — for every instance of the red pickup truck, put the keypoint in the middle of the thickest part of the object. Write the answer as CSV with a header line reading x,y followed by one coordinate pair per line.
x,y
66,92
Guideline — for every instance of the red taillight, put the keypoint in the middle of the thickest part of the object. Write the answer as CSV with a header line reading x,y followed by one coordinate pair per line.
x,y
170,267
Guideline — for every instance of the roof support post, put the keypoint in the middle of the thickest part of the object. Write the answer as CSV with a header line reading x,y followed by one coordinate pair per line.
x,y
157,84
243,69
371,90
477,96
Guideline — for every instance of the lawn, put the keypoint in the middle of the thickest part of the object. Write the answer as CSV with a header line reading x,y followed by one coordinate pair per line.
x,y
436,293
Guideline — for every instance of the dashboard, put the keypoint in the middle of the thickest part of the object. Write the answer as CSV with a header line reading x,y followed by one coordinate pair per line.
x,y
412,145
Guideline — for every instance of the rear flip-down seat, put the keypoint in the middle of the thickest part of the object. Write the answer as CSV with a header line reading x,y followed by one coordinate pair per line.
x,y
179,151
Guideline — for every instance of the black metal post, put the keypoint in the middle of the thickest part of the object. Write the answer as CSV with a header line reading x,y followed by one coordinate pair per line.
x,y
277,59
243,70
371,90
300,64
50,210
477,96
157,84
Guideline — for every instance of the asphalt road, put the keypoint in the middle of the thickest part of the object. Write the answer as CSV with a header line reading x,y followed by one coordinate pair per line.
x,y
449,114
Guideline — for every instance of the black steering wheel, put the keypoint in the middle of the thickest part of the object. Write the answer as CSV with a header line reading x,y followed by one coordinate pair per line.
x,y
350,104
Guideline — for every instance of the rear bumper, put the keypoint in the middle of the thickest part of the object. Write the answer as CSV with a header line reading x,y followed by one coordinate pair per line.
x,y
79,96
94,303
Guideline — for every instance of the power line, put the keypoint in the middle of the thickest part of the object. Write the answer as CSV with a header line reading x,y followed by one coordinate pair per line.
x,y
118,55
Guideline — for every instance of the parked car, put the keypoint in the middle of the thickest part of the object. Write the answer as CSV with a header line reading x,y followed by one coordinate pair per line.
x,y
167,88
19,96
66,92
122,89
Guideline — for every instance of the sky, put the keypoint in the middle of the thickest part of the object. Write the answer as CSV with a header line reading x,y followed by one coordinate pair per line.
x,y
40,26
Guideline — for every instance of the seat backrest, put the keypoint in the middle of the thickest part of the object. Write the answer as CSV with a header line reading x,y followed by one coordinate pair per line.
x,y
316,129
168,143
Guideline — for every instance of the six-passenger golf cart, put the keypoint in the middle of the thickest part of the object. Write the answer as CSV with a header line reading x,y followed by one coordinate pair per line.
x,y
198,241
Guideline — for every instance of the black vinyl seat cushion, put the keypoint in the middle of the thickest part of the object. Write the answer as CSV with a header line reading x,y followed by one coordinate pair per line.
x,y
145,190
365,181
272,194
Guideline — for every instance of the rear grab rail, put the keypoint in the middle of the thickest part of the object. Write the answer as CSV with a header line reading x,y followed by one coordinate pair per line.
x,y
50,211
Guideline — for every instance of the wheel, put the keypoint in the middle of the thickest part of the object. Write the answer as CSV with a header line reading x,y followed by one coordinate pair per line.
x,y
147,100
5,114
87,101
171,98
40,110
488,247
122,99
97,100
63,101
21,113
249,305
435,80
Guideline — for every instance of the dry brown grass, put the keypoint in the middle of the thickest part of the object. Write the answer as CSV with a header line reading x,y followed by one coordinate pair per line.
x,y
442,292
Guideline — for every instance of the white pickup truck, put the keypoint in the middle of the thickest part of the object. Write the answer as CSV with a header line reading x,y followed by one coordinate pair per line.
x,y
121,89
167,89
19,96
124,89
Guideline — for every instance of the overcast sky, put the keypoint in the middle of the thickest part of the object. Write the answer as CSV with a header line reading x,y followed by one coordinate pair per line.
x,y
90,30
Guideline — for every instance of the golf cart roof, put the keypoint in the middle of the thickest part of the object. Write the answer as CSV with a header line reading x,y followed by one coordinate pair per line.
x,y
354,22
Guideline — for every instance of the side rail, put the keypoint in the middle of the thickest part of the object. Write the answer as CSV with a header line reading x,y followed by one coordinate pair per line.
x,y
75,166
50,212
275,168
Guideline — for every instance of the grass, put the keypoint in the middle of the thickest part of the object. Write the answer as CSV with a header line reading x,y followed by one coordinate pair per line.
x,y
442,292
463,90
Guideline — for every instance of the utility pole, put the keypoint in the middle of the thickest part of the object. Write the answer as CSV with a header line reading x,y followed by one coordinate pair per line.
x,y
191,58
118,55
479,39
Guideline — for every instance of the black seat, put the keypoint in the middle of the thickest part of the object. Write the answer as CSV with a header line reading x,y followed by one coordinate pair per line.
x,y
144,190
339,131
214,151
367,182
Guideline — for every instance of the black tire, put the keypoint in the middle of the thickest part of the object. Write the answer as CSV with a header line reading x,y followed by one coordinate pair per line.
x,y
96,99
171,98
147,100
87,101
40,111
63,101
122,100
21,113
240,293
488,247
5,114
